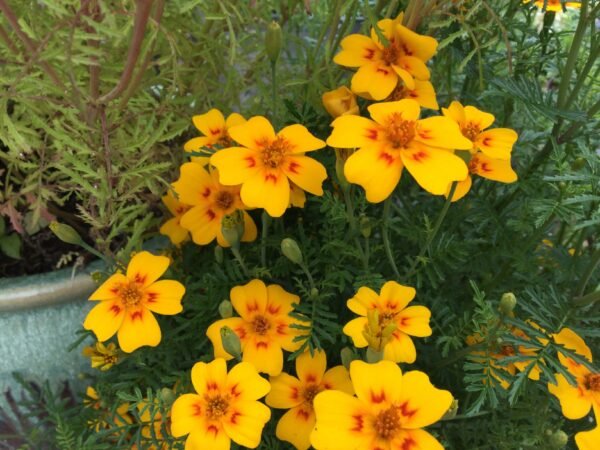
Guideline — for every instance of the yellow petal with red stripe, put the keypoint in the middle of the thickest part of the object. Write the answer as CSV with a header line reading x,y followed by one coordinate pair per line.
x,y
105,319
164,297
244,423
296,425
377,78
145,268
139,328
254,133
497,142
211,124
110,288
286,392
300,139
269,190
306,173
354,132
379,384
357,50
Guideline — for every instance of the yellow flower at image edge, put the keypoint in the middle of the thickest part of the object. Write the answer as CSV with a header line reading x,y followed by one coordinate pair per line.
x,y
297,395
340,101
267,162
127,303
389,411
395,139
392,307
554,5
264,325
588,440
223,409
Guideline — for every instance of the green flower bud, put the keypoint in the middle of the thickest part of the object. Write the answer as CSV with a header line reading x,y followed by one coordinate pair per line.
x,y
167,396
232,227
314,293
219,254
291,251
347,356
578,164
365,226
374,356
225,309
65,233
231,342
508,303
558,439
451,413
273,41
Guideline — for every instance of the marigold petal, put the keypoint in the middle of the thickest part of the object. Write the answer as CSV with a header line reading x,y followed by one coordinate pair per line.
x,y
300,139
164,297
415,67
396,296
297,196
175,232
211,123
497,143
251,298
455,112
414,44
377,384
572,341
492,169
195,185
338,378
197,143
377,79
265,355
234,119
207,377
245,384
433,168
588,440
236,164
415,440
250,231
573,401
295,427
354,329
357,50
478,117
285,392
352,132
203,223
421,403
186,414
386,27
105,319
269,190
110,288
306,173
209,437
376,169
442,132
407,108
462,189
145,268
424,95
245,422
311,368
400,348
255,133
414,321
280,302
139,328
364,299
407,79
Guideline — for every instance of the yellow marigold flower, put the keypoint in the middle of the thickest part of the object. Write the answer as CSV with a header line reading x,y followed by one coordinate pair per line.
x,y
382,66
210,201
126,303
588,440
172,227
267,162
297,395
223,409
106,419
102,356
389,410
395,139
340,102
263,326
215,133
576,401
554,5
490,154
423,93
391,305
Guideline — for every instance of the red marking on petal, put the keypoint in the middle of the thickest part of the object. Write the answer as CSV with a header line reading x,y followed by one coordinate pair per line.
x,y
250,161
206,192
273,309
391,304
369,53
212,429
216,131
211,214
234,416
115,309
251,307
115,289
383,71
151,297
413,94
302,414
139,314
240,332
197,410
408,444
262,344
234,391
377,398
485,167
419,156
281,329
139,278
389,159
359,423
326,386
271,177
404,321
293,167
211,385
405,411
486,141
311,378
406,50
372,134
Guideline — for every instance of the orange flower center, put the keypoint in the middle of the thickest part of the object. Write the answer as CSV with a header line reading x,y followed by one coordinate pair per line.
x,y
130,294
399,132
224,200
471,131
391,53
260,325
507,350
400,92
275,152
216,407
592,382
387,423
225,141
310,392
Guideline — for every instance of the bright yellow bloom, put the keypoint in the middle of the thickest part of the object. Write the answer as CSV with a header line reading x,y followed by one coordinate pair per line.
x,y
210,201
382,66
554,5
172,227
588,440
223,409
423,93
388,413
576,402
215,130
263,326
105,419
340,102
395,139
392,307
102,356
128,301
490,154
267,162
297,395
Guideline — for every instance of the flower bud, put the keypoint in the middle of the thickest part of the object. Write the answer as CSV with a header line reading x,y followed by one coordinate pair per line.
x,y
508,303
291,251
65,233
451,413
558,439
232,227
578,164
167,396
365,227
314,293
374,356
347,356
231,342
373,320
219,254
340,102
273,41
225,309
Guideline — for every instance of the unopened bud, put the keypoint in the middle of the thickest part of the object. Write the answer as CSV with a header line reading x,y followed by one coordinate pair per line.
x,y
225,309
558,439
291,251
373,320
232,228
314,293
374,356
508,303
65,233
273,41
578,164
231,342
452,411
167,396
347,356
219,254
389,329
365,226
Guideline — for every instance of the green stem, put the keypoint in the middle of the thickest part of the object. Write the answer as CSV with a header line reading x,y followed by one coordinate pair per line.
x,y
588,273
274,90
311,281
95,252
353,225
266,221
587,300
240,260
386,238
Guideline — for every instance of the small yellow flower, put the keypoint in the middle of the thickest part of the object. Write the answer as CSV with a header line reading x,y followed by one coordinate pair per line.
x,y
576,401
224,408
588,440
423,93
172,227
215,130
391,306
340,102
209,202
490,154
297,395
381,67
151,416
389,411
102,356
266,163
263,326
105,419
395,139
554,5
126,303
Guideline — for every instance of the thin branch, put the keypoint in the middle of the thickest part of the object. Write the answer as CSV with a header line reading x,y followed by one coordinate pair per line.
x,y
6,38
